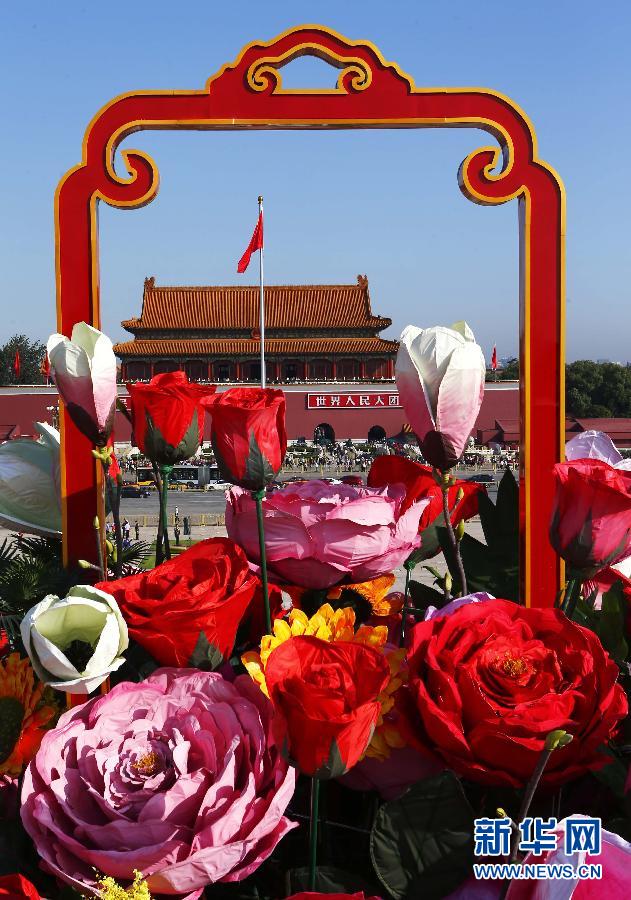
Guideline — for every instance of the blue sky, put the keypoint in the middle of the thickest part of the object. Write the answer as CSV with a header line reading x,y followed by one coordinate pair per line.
x,y
382,203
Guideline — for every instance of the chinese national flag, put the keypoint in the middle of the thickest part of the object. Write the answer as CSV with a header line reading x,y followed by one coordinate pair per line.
x,y
17,365
45,366
256,243
494,360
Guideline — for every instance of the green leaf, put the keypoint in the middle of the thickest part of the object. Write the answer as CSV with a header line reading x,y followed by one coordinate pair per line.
x,y
610,628
421,844
430,544
507,504
205,656
423,595
613,775
258,471
11,718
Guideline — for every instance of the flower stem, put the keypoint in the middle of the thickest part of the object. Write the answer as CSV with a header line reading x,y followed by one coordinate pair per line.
x,y
165,471
572,594
114,493
313,832
99,547
159,549
554,741
406,596
455,546
258,498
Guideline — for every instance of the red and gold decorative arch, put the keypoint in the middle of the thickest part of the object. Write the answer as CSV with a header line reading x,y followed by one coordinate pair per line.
x,y
370,93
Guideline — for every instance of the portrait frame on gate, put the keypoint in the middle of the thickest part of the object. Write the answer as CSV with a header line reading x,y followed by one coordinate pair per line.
x,y
248,94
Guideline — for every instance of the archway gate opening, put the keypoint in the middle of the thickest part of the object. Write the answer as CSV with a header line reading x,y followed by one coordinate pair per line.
x,y
370,93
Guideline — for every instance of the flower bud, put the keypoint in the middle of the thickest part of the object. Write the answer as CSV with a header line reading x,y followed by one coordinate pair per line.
x,y
558,739
460,530
74,642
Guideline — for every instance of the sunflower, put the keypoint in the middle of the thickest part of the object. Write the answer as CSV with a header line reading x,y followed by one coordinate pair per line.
x,y
338,625
23,714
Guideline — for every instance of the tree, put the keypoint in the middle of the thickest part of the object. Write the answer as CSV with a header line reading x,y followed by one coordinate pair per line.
x,y
508,372
31,357
598,390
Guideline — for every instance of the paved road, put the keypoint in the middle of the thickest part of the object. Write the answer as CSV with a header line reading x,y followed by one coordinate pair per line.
x,y
196,503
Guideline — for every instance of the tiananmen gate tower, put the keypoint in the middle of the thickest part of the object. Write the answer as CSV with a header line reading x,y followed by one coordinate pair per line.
x,y
313,333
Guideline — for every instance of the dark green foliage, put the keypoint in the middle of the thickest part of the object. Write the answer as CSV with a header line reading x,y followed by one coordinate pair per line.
x,y
34,570
610,625
11,717
492,567
424,596
205,656
133,556
31,355
510,372
592,389
422,843
331,881
598,389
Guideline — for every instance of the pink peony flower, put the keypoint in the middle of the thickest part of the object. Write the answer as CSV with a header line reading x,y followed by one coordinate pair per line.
x,y
319,534
177,776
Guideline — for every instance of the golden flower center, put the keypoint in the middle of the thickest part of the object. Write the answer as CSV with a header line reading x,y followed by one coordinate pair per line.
x,y
512,666
148,763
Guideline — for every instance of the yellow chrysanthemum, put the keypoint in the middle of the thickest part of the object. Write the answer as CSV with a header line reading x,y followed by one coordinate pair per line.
x,y
337,625
108,889
23,713
375,592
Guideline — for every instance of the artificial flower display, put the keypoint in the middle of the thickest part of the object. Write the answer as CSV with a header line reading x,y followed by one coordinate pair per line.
x,y
76,641
488,682
177,777
332,625
248,435
168,417
595,445
440,375
326,701
16,886
187,610
84,370
30,483
24,714
420,484
591,516
319,534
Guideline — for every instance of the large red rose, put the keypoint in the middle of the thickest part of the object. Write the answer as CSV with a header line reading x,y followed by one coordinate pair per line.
x,y
248,435
17,886
420,484
168,417
489,681
187,610
591,517
325,701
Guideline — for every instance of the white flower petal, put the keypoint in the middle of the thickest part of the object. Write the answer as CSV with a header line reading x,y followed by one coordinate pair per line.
x,y
412,393
106,648
460,396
